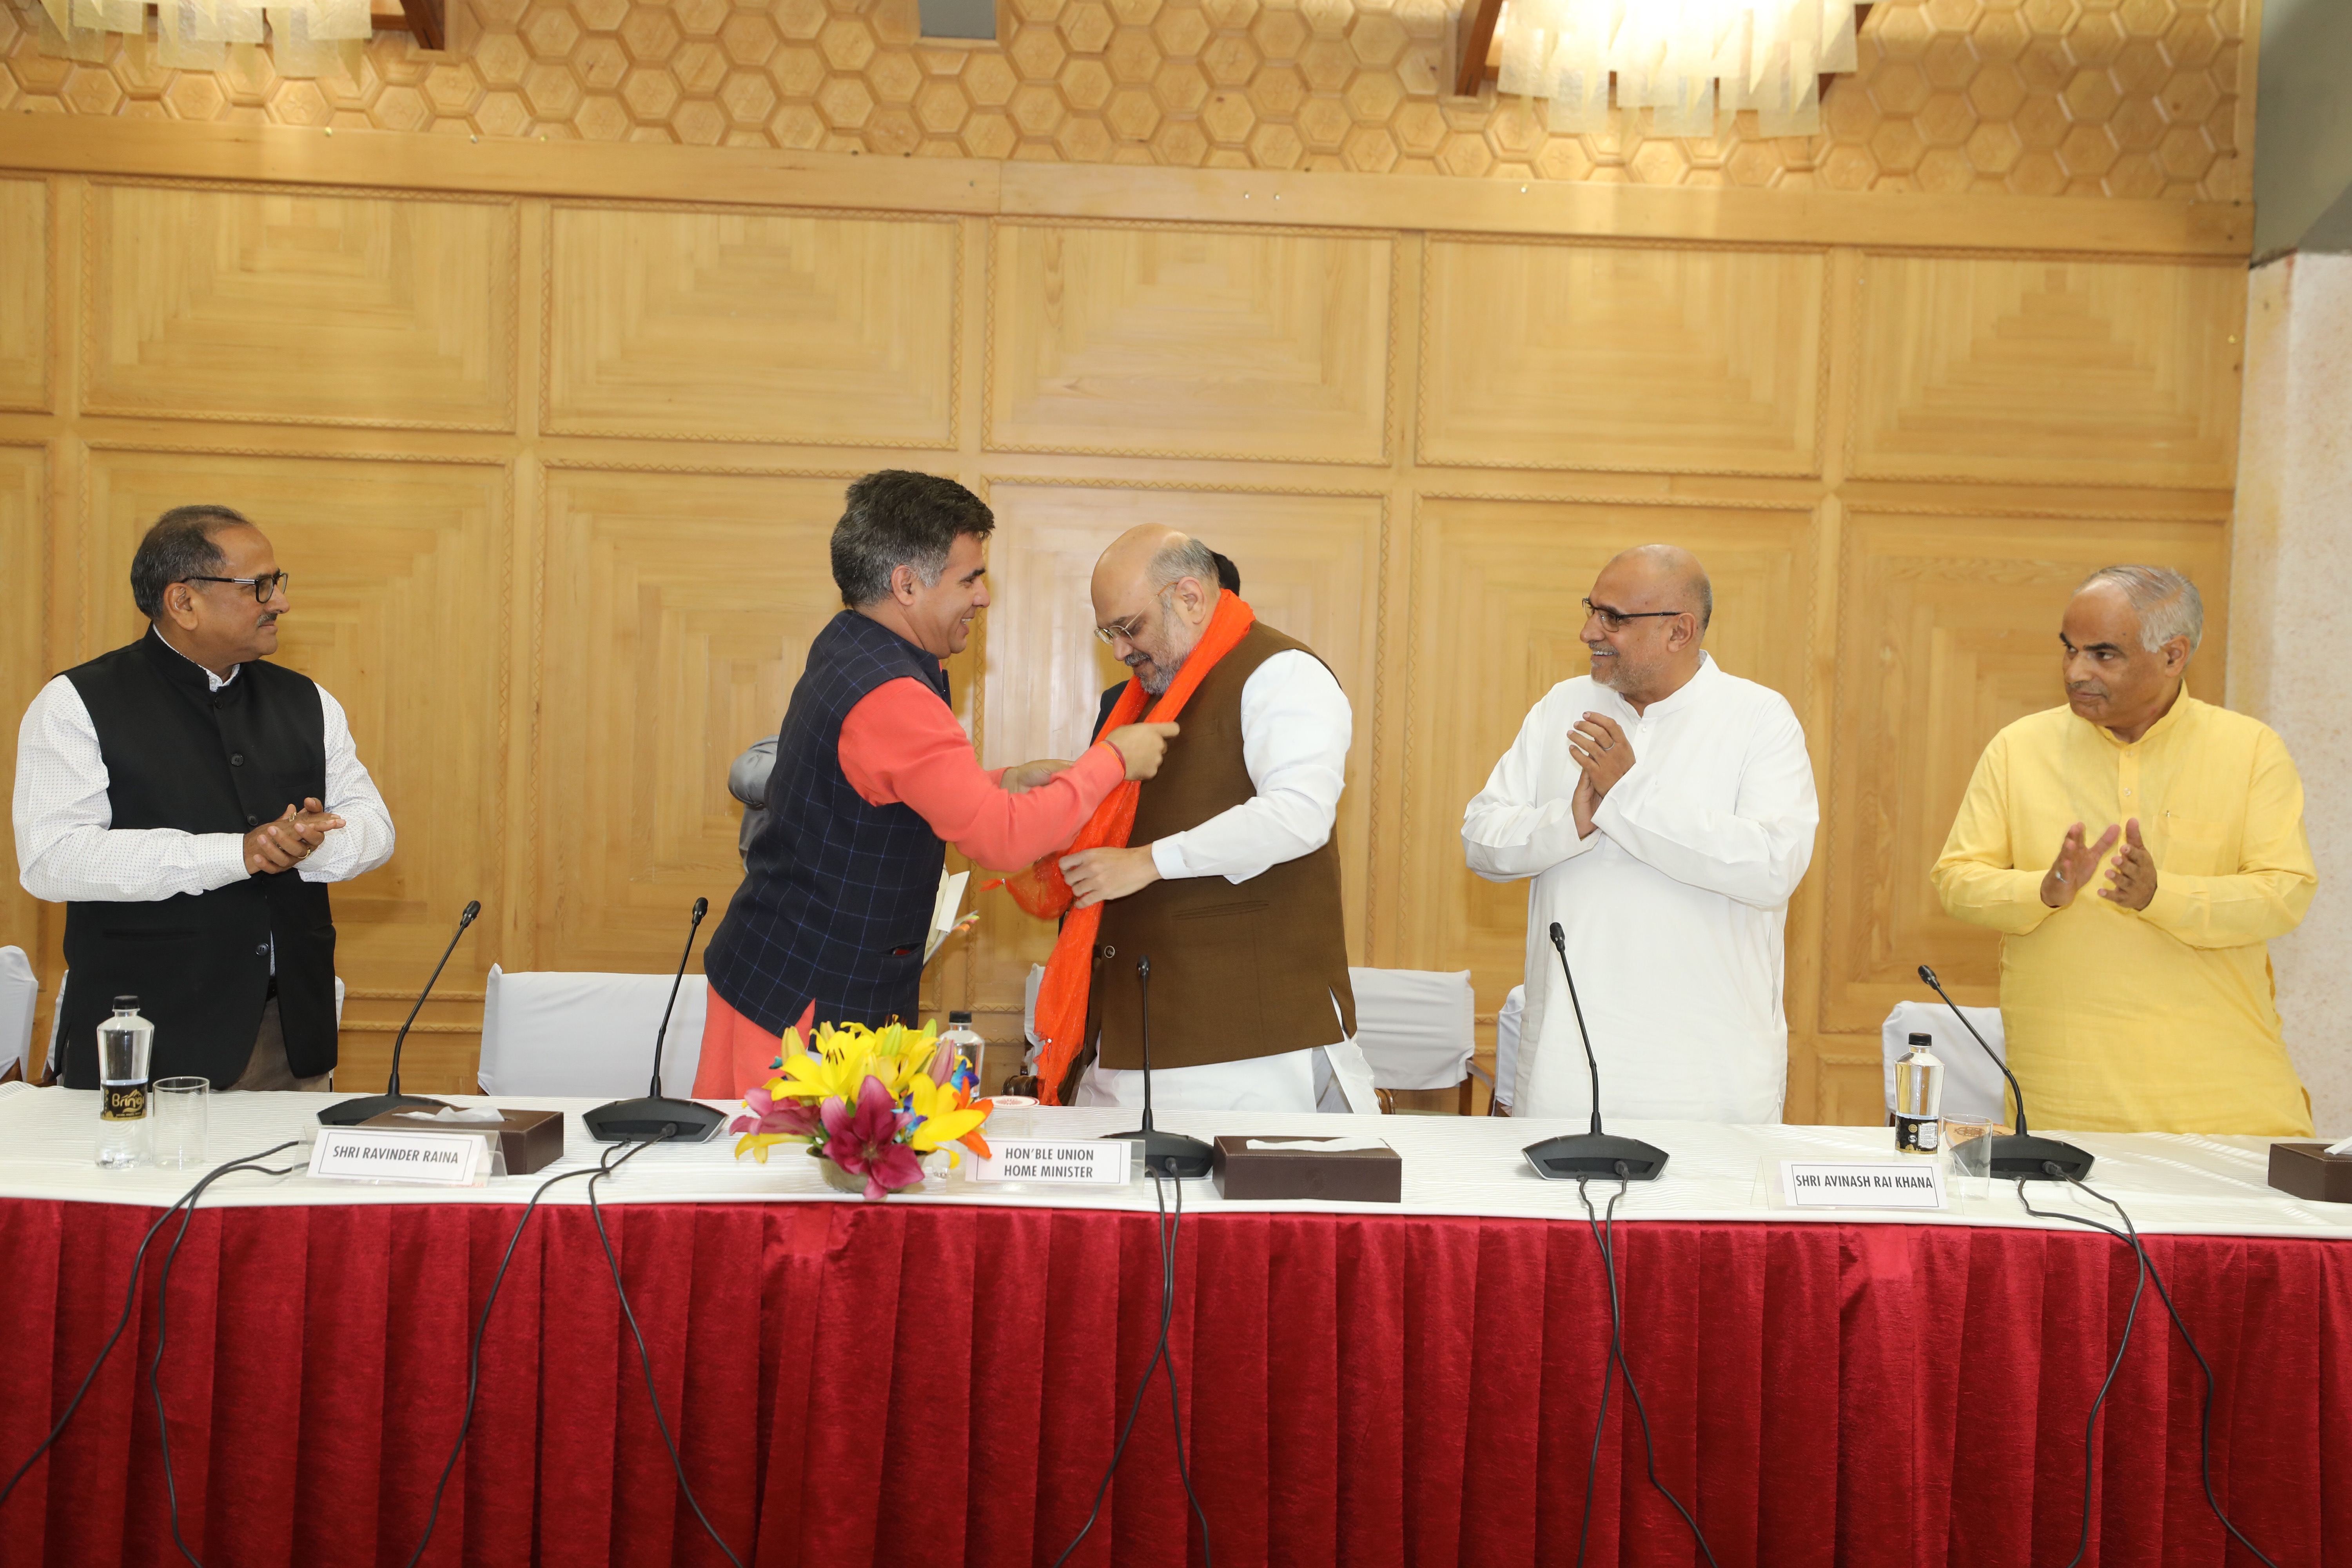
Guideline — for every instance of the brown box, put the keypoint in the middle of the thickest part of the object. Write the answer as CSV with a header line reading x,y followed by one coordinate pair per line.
x,y
1353,1175
2308,1171
530,1140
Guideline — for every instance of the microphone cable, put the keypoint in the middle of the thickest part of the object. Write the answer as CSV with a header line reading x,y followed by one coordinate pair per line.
x,y
1159,1354
2131,1317
1606,1240
130,1301
481,1326
644,1355
2130,1237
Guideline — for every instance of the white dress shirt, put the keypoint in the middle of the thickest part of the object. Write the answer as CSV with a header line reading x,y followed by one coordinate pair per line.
x,y
69,852
1672,906
1296,727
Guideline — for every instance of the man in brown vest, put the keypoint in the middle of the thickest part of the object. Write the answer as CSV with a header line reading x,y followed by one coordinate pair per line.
x,y
1227,880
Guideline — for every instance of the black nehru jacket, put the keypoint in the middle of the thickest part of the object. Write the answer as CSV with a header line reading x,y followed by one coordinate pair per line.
x,y
182,756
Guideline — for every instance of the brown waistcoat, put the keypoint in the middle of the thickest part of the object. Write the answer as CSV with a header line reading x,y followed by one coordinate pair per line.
x,y
1238,970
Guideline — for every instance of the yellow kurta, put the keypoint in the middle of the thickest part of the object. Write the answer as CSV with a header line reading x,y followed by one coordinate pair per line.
x,y
2161,1019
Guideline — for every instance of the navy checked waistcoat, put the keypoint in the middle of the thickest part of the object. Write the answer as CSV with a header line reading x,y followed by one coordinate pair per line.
x,y
837,897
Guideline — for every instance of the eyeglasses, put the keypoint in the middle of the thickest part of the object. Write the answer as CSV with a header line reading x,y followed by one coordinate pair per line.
x,y
1131,625
264,588
1615,619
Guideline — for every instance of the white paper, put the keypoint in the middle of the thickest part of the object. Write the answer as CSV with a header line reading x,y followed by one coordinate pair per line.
x,y
460,1113
388,1155
1319,1145
1080,1162
943,910
1875,1185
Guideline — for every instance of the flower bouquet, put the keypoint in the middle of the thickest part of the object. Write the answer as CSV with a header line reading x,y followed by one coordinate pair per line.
x,y
869,1103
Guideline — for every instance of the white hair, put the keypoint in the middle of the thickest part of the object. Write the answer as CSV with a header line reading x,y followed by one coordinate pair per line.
x,y
2167,601
1186,558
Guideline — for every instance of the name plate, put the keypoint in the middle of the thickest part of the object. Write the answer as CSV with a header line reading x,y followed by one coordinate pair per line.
x,y
1878,1184
385,1154
1080,1162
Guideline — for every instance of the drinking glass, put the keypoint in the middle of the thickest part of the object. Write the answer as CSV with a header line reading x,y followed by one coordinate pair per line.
x,y
1968,1146
176,1109
1011,1118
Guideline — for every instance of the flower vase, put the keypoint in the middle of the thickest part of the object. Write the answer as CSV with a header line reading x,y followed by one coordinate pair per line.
x,y
842,1181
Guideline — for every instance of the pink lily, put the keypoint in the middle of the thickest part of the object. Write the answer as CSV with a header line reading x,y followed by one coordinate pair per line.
x,y
864,1141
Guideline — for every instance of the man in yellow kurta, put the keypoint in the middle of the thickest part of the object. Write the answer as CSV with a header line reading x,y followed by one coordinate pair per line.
x,y
2148,1007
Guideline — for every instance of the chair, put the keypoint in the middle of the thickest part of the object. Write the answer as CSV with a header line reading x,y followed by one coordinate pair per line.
x,y
56,1059
1417,1029
555,1032
20,990
1972,1085
1506,1052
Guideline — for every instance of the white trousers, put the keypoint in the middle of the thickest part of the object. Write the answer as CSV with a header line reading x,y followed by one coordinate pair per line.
x,y
1334,1077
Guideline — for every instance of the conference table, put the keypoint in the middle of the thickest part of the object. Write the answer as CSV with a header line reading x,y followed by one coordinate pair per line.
x,y
942,1377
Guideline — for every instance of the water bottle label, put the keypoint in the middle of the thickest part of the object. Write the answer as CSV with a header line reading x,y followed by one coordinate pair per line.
x,y
1916,1133
123,1102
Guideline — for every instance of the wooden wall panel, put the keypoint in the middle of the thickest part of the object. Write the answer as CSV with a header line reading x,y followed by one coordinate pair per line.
x,y
1602,356
299,308
1951,632
2045,370
1309,566
1419,427
1190,341
679,609
400,594
25,295
1493,627
747,326
24,667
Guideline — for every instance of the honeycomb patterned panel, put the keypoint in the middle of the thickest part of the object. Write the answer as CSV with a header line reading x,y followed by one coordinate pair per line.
x,y
2118,98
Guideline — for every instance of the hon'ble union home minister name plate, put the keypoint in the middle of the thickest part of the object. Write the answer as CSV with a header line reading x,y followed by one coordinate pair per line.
x,y
1078,1161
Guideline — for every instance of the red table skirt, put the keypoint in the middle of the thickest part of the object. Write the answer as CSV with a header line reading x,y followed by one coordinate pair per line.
x,y
891,1384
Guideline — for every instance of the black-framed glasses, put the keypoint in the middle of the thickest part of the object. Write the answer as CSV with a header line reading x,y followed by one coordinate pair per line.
x,y
1615,619
265,588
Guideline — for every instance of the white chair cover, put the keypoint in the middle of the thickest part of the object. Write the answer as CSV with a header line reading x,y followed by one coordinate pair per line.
x,y
1507,1043
1416,1026
20,991
587,1033
1972,1085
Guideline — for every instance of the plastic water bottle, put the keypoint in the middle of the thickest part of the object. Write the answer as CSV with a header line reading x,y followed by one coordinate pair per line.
x,y
1918,1097
124,1042
965,1041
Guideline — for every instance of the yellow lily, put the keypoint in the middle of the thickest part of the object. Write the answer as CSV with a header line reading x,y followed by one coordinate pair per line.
x,y
944,1121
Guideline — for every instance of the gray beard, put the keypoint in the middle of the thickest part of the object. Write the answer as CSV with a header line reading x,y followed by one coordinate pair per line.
x,y
1158,685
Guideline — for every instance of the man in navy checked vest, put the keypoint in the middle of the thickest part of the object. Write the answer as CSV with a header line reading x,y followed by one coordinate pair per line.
x,y
873,778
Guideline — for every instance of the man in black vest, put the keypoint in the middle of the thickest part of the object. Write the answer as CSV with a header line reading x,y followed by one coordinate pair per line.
x,y
873,777
189,803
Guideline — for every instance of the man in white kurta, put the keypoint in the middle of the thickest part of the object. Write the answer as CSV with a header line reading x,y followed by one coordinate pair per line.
x,y
1665,812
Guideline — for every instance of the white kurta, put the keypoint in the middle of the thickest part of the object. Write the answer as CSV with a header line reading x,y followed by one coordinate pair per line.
x,y
1672,906
1295,729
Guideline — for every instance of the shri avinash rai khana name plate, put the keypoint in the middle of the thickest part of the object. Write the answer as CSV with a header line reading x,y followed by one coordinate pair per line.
x,y
385,1154
1874,1184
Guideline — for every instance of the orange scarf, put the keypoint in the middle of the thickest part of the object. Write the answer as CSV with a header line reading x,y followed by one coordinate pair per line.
x,y
1069,973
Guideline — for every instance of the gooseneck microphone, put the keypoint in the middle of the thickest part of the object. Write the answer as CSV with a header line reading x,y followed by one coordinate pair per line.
x,y
656,1118
1575,1155
1165,1153
2019,1154
351,1112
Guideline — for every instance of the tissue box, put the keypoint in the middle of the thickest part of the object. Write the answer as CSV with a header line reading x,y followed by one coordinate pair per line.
x,y
1300,1170
530,1140
2308,1171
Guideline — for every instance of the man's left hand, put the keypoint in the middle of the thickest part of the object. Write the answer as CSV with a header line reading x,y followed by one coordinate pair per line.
x,y
1026,776
1601,749
1096,875
2132,871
